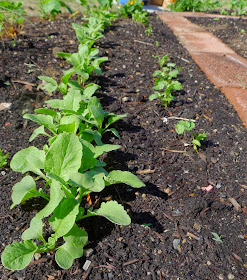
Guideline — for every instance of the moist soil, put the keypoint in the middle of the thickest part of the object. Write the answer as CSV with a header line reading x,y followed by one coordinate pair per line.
x,y
173,217
231,31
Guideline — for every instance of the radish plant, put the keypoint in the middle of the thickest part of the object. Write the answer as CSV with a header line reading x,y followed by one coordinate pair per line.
x,y
70,170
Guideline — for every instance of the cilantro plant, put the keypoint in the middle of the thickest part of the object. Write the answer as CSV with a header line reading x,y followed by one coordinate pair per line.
x,y
165,84
184,126
3,159
70,170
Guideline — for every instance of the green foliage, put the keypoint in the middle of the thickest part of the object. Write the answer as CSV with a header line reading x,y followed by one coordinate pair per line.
x,y
165,84
68,165
10,17
84,62
194,6
78,112
140,16
149,30
70,173
238,7
132,6
3,159
49,9
217,238
184,126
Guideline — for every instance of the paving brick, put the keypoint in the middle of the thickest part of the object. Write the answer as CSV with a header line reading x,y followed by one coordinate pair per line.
x,y
238,98
203,42
222,70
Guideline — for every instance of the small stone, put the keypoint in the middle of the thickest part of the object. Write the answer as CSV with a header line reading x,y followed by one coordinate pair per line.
x,y
37,256
120,239
209,263
5,106
221,277
144,195
125,99
230,276
159,252
197,227
3,173
88,252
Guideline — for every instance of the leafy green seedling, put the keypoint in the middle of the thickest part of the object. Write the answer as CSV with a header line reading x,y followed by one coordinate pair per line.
x,y
149,30
164,83
184,126
217,238
71,171
3,159
78,113
141,17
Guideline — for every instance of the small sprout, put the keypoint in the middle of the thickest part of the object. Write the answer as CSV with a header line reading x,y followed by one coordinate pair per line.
x,y
3,159
184,126
217,238
149,30
146,225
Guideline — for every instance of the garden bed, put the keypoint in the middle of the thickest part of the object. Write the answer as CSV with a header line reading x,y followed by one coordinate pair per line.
x,y
173,207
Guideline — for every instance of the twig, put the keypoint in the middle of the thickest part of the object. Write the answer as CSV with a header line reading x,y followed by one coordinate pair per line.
x,y
23,82
174,151
143,42
178,118
145,171
132,262
192,235
108,266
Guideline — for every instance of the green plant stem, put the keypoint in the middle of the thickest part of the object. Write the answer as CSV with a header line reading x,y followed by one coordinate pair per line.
x,y
4,8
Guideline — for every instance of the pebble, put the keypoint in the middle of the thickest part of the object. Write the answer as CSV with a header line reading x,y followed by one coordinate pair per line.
x,y
37,256
88,252
3,173
125,99
230,276
221,277
5,106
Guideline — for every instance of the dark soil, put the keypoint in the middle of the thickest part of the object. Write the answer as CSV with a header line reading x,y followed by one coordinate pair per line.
x,y
232,31
173,207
